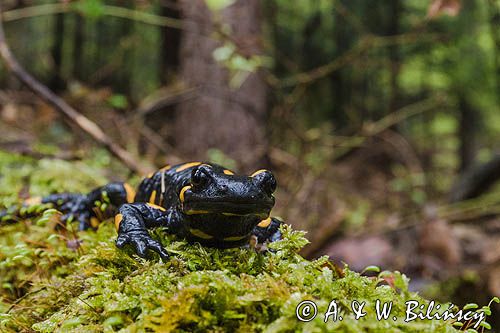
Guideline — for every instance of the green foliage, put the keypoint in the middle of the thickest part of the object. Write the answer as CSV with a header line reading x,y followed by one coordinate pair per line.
x,y
90,8
218,156
118,101
216,5
47,176
239,66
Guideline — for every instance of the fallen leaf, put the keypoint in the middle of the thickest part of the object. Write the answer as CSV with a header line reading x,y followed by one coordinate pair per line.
x,y
440,7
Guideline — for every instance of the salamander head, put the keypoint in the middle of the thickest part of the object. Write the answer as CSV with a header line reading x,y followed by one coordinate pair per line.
x,y
212,189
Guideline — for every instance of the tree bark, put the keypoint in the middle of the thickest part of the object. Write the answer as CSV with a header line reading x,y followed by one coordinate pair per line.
x,y
57,82
394,56
78,42
169,44
232,120
467,134
341,81
476,181
494,9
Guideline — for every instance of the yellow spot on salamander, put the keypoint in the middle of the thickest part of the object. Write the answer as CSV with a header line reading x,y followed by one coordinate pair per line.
x,y
166,167
152,198
200,234
94,222
156,207
195,212
33,201
231,214
234,238
150,175
264,223
258,172
118,220
228,172
187,165
183,190
130,192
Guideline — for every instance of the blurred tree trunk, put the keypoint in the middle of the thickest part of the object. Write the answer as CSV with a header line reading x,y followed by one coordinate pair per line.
x,y
56,82
169,45
468,124
78,41
494,9
469,114
232,120
394,56
341,80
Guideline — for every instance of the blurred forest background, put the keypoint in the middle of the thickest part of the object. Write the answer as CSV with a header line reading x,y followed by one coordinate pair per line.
x,y
381,119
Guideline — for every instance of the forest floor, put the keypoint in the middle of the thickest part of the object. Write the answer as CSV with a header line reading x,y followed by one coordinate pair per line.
x,y
357,211
58,279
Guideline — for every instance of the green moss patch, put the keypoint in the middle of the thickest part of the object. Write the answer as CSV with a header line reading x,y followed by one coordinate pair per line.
x,y
47,287
56,279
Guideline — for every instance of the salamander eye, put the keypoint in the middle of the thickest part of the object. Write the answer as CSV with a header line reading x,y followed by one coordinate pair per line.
x,y
199,177
266,181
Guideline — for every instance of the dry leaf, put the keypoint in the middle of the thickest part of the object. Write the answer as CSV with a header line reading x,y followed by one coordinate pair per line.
x,y
440,7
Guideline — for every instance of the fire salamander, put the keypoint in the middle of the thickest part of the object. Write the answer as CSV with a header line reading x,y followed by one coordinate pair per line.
x,y
203,202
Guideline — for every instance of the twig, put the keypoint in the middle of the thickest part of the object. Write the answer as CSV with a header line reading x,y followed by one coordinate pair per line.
x,y
60,105
163,98
116,11
143,17
364,45
322,71
17,301
33,11
376,128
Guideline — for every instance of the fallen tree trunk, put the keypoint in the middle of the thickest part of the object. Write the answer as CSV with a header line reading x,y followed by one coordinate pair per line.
x,y
476,181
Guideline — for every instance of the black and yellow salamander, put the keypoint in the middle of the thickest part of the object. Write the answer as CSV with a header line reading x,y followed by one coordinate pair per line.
x,y
203,202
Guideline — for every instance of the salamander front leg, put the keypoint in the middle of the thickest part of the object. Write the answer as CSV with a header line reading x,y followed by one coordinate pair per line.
x,y
268,230
132,223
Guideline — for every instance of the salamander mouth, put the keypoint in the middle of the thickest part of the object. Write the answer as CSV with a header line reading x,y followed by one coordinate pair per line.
x,y
229,208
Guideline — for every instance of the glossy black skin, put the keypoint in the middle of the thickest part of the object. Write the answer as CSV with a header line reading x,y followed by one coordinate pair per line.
x,y
216,208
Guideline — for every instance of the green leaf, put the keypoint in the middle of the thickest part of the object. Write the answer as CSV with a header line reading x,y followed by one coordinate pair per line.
x,y
90,8
71,323
118,101
485,325
224,52
372,269
471,306
113,321
216,5
486,310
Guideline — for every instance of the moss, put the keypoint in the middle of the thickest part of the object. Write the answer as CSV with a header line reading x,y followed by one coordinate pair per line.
x,y
59,281
100,288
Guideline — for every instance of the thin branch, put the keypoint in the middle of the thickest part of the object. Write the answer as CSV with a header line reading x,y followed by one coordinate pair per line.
x,y
163,98
375,128
407,111
364,45
65,109
116,11
34,11
143,17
